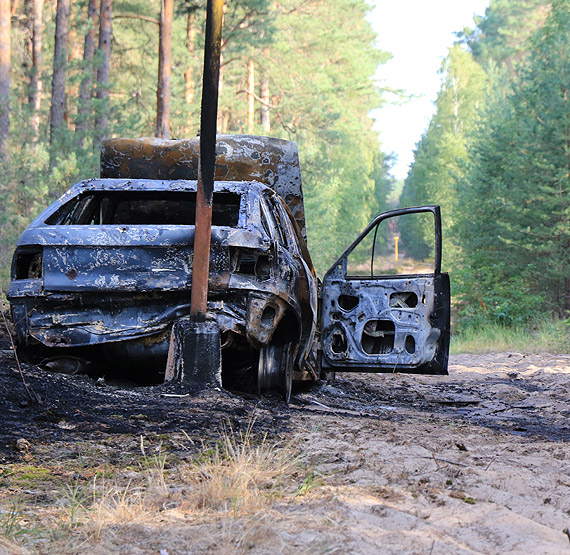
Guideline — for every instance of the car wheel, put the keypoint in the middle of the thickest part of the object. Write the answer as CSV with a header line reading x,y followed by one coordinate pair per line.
x,y
275,369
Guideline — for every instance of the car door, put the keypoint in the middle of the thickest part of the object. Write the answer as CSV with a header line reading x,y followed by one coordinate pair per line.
x,y
385,304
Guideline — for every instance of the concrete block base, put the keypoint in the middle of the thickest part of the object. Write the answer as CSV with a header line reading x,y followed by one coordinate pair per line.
x,y
194,356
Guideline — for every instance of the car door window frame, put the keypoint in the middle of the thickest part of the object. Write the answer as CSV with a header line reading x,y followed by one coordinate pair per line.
x,y
435,210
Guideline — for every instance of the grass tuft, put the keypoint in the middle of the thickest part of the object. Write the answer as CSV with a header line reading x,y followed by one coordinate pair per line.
x,y
237,475
231,483
10,522
551,336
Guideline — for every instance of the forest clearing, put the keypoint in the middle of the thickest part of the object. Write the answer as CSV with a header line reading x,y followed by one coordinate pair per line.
x,y
473,462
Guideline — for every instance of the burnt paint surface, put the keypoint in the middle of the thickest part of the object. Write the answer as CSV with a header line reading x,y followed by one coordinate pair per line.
x,y
113,283
416,336
123,286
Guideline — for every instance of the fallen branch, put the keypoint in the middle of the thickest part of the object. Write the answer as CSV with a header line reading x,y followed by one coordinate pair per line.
x,y
136,16
32,395
438,459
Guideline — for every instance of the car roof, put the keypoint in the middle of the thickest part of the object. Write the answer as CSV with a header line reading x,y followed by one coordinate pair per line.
x,y
121,184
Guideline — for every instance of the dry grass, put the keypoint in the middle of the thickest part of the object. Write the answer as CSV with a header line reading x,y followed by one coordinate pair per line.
x,y
238,476
10,548
226,491
235,476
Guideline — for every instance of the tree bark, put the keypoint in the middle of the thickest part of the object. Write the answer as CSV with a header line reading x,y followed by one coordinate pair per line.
x,y
35,98
250,96
189,73
224,122
164,70
105,29
58,100
264,110
5,52
86,87
28,18
221,84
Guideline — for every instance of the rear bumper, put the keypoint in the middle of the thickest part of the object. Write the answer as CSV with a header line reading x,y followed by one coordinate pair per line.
x,y
89,319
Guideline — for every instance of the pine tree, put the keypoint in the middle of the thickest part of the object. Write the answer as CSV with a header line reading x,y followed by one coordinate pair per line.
x,y
59,79
104,70
86,87
516,198
164,70
5,49
440,157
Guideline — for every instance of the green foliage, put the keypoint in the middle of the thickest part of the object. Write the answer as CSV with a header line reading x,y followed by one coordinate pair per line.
x,y
321,64
514,224
442,152
319,58
543,335
503,33
496,157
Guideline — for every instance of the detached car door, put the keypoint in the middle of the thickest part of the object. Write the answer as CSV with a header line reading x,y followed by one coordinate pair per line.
x,y
385,304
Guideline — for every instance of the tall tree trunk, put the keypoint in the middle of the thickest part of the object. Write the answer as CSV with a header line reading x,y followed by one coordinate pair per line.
x,y
105,29
221,83
28,21
224,122
35,98
164,70
264,110
86,87
57,109
189,73
250,96
5,52
223,117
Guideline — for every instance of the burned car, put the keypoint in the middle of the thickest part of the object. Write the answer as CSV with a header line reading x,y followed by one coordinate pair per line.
x,y
107,269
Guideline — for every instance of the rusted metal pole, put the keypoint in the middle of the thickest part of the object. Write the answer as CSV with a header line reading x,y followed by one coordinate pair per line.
x,y
205,189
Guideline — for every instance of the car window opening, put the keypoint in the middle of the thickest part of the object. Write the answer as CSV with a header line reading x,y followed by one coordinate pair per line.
x,y
144,208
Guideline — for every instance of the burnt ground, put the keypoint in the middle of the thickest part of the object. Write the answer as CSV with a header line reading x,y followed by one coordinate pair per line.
x,y
83,408
474,462
79,408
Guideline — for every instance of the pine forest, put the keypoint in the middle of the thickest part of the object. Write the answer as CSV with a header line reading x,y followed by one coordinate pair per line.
x,y
496,155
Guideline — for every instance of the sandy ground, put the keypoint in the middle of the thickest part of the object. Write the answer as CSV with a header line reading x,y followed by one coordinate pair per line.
x,y
477,462
474,462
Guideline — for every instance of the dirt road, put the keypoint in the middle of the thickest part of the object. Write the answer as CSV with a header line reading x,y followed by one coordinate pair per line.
x,y
475,462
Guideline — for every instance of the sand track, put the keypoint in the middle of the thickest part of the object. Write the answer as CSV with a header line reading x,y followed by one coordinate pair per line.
x,y
474,462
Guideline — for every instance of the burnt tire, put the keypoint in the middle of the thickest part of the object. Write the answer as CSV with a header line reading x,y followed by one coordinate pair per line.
x,y
275,369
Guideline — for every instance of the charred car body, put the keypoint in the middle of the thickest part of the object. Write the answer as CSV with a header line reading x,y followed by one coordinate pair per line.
x,y
107,268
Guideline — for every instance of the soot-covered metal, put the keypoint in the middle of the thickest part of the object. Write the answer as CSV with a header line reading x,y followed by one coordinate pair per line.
x,y
386,323
109,265
106,271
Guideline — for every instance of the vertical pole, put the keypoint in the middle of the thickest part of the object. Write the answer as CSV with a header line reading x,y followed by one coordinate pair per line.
x,y
396,238
207,166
